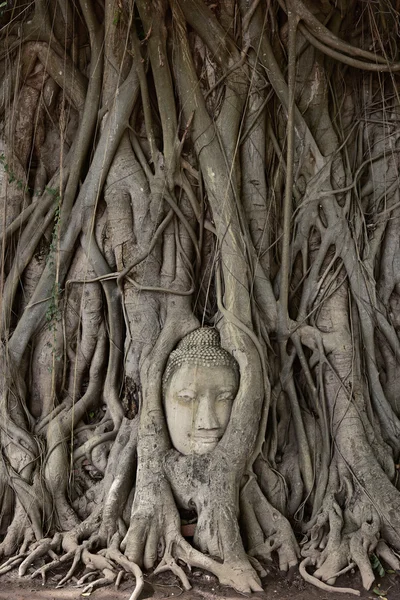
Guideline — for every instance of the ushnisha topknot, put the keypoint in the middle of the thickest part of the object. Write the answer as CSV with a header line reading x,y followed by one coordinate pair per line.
x,y
200,347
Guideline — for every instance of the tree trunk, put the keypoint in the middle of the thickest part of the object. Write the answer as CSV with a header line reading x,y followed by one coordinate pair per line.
x,y
173,164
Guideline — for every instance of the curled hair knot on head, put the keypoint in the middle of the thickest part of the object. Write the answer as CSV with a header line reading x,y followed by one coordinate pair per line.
x,y
200,347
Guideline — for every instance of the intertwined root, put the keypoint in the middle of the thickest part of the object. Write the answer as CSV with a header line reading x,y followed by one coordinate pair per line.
x,y
105,567
339,540
338,544
108,565
332,549
319,584
161,529
267,530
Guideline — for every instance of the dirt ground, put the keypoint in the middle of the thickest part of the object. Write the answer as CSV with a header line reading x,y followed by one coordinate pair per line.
x,y
277,586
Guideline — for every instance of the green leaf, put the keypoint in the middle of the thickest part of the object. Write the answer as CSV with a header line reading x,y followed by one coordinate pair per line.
x,y
379,592
377,565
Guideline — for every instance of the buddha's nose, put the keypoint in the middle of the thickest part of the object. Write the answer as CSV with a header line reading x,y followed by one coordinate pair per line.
x,y
206,417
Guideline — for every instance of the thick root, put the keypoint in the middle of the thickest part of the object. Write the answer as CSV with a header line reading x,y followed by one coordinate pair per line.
x,y
384,552
47,567
319,584
337,542
169,564
161,529
12,563
130,567
46,546
103,566
109,576
239,576
18,537
266,529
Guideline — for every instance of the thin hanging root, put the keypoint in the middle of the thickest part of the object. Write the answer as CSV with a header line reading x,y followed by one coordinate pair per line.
x,y
168,564
43,570
12,562
320,584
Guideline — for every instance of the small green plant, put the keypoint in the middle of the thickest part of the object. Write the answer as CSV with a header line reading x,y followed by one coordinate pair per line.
x,y
11,175
380,571
378,592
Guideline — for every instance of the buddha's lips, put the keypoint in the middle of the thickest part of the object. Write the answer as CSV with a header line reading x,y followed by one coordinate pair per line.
x,y
206,438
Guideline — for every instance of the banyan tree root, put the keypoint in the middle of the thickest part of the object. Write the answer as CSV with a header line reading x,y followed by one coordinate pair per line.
x,y
320,584
343,539
93,120
331,550
105,560
266,529
155,524
105,566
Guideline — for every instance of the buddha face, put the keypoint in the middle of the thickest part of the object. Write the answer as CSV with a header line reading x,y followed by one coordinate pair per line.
x,y
198,402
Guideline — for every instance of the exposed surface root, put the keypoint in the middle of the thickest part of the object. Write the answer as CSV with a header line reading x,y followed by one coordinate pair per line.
x,y
46,546
102,566
47,567
383,551
343,539
12,563
266,529
169,564
108,577
130,567
177,162
319,584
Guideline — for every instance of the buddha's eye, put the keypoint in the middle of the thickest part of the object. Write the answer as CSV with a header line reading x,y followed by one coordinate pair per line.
x,y
225,397
185,397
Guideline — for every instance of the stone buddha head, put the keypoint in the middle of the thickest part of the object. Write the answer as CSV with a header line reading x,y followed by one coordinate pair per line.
x,y
200,383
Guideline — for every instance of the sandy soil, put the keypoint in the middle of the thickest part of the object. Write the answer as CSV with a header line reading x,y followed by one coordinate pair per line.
x,y
277,586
